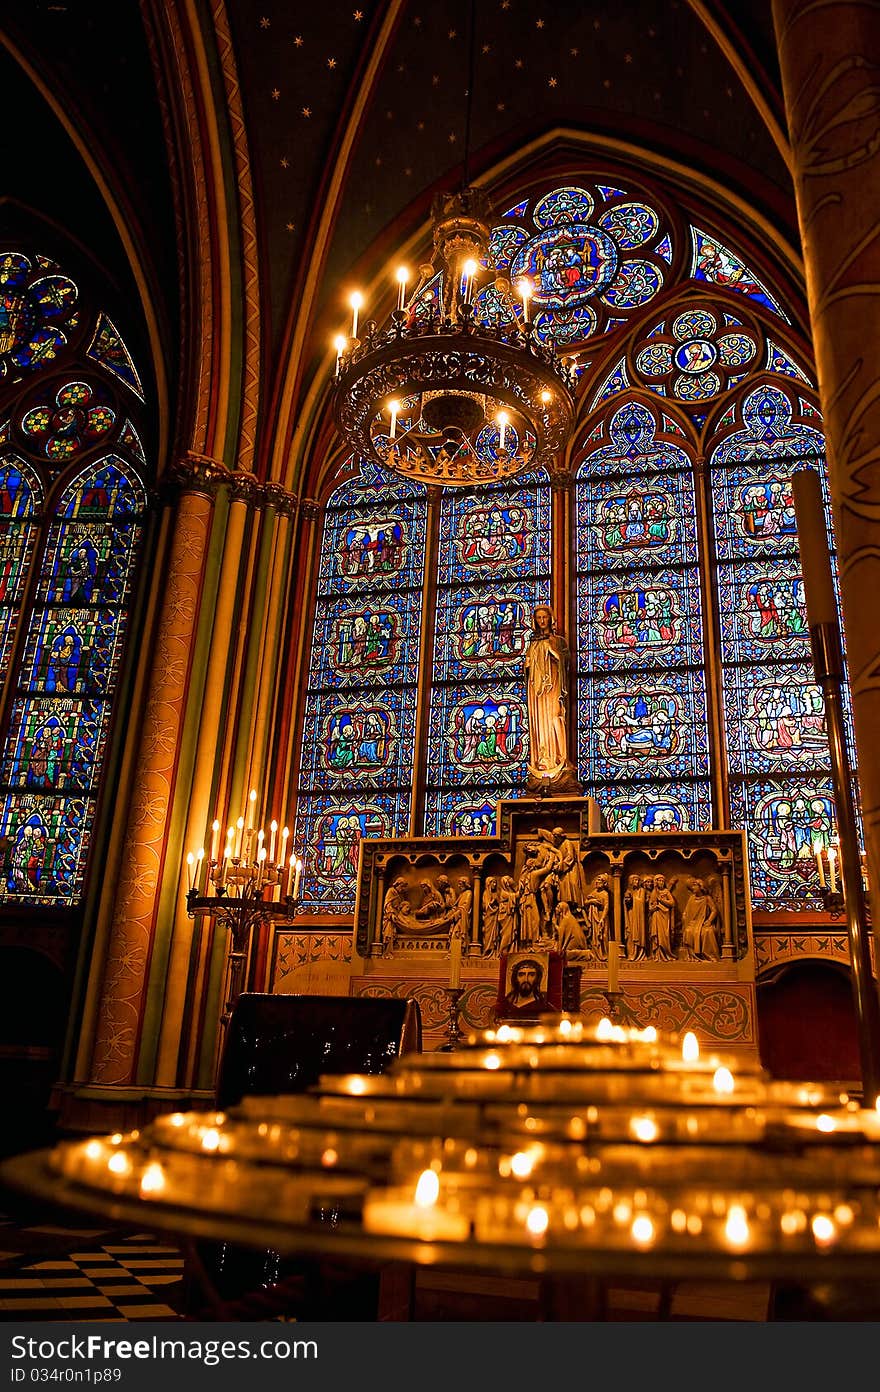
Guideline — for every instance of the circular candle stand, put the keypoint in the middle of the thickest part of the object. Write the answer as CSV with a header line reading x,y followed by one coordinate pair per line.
x,y
569,1151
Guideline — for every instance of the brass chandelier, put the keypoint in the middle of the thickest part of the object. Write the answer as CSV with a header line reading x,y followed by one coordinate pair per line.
x,y
456,388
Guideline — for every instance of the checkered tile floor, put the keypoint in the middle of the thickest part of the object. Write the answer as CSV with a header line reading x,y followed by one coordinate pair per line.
x,y
53,1272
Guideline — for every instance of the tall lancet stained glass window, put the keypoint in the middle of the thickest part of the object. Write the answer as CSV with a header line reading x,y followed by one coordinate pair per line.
x,y
358,744
72,504
777,743
493,568
643,748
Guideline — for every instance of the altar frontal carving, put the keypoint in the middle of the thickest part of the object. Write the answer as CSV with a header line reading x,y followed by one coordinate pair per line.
x,y
551,882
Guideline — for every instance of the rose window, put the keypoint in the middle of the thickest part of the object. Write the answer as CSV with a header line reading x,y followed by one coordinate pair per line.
x,y
697,355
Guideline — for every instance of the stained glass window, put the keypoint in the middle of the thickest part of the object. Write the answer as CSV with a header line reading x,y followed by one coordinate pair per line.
x,y
75,558
774,714
643,746
359,727
592,253
493,568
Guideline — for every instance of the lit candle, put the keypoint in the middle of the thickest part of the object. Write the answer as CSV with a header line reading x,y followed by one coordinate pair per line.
x,y
813,545
285,832
524,287
200,860
240,825
190,863
393,407
546,397
470,270
832,868
455,960
402,280
261,865
252,802
227,849
297,865
613,964
340,343
215,832
356,300
502,419
817,851
273,828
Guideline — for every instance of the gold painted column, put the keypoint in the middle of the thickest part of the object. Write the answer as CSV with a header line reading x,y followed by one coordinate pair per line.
x,y
830,59
142,868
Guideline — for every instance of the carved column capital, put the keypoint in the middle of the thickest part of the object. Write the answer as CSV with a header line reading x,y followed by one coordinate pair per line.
x,y
309,509
198,473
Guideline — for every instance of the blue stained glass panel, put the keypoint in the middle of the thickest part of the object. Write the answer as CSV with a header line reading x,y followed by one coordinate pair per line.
x,y
637,519
678,806
496,533
88,564
478,735
327,834
48,841
763,612
570,204
775,719
648,724
715,262
485,635
640,619
370,639
754,510
106,488
633,447
362,738
785,819
456,814
73,651
54,743
769,431
20,496
374,534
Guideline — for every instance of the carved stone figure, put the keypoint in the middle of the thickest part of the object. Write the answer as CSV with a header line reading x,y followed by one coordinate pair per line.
x,y
506,914
528,888
598,906
661,906
700,922
636,918
569,931
571,886
464,908
395,908
491,906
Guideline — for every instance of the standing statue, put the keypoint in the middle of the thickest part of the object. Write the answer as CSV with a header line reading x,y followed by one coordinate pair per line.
x,y
395,908
636,918
598,906
661,907
700,922
506,914
546,669
464,908
491,907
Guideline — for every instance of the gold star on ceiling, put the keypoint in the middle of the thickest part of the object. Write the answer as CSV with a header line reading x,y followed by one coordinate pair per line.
x,y
265,22
435,80
539,24
276,93
505,4
518,63
420,125
500,106
487,48
358,16
307,111
452,33
298,41
574,52
452,137
551,82
285,162
331,63
291,227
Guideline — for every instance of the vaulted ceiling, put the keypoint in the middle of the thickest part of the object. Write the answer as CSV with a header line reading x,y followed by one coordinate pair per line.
x,y
360,107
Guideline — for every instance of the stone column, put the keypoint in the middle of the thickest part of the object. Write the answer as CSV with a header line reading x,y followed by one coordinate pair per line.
x,y
143,869
830,59
728,948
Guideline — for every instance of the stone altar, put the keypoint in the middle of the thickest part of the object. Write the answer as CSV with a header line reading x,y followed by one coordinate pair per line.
x,y
677,903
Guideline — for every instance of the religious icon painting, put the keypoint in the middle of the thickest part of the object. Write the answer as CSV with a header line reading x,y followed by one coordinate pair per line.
x,y
529,985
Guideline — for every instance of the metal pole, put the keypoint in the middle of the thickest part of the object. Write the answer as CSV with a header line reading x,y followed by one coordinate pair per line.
x,y
828,663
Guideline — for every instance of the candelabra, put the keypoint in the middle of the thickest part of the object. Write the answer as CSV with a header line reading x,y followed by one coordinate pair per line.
x,y
246,892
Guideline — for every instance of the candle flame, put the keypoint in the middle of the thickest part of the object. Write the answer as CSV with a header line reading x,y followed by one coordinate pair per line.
x,y
537,1220
355,299
690,1047
427,1189
722,1080
736,1228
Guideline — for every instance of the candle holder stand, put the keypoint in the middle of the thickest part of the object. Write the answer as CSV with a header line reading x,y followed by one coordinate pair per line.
x,y
453,1033
618,1012
238,905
